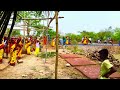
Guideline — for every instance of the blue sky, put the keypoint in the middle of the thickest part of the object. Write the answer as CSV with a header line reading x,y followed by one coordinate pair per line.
x,y
95,21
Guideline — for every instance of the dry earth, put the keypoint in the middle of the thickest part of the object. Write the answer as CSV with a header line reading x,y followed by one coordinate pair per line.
x,y
35,67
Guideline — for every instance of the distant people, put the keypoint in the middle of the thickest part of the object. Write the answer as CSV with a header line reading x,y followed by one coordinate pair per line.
x,y
90,40
111,41
67,40
119,42
61,41
99,41
45,40
64,40
53,42
105,42
85,41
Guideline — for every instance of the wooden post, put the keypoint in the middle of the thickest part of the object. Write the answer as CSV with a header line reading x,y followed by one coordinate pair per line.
x,y
56,63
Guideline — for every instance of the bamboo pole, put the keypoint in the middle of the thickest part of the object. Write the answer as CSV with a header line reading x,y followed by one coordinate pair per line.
x,y
56,63
47,38
38,18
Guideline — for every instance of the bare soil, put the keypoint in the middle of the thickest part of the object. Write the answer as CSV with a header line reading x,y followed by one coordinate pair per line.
x,y
36,68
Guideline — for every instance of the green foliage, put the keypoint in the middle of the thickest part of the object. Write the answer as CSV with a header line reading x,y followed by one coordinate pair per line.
x,y
74,42
30,23
77,50
104,34
14,32
49,54
116,35
52,33
68,48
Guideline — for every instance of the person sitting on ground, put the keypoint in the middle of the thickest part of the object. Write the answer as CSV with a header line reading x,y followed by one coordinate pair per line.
x,y
106,69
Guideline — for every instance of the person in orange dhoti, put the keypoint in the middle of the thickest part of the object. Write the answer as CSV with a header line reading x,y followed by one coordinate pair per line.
x,y
45,40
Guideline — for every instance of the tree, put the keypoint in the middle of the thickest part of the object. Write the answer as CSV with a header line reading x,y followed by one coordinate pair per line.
x,y
91,35
14,32
30,23
52,33
105,34
116,35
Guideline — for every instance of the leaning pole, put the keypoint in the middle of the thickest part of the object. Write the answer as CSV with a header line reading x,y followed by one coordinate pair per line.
x,y
56,63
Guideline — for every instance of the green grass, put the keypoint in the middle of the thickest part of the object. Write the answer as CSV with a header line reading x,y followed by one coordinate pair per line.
x,y
49,54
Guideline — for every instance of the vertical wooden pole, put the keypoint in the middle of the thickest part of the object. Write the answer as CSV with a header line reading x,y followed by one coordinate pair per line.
x,y
56,63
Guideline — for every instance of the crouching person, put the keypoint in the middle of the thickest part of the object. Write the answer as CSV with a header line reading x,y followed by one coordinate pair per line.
x,y
106,69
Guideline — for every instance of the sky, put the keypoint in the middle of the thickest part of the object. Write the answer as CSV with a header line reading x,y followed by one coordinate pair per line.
x,y
95,21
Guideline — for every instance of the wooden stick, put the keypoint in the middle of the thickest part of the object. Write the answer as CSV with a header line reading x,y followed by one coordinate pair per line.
x,y
38,18
56,63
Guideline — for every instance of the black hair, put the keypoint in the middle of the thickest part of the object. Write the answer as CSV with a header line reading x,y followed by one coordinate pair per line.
x,y
103,54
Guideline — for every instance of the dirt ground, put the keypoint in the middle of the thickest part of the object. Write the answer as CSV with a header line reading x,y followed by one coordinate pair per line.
x,y
36,68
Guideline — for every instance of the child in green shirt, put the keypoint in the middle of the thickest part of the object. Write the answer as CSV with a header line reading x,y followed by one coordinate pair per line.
x,y
106,69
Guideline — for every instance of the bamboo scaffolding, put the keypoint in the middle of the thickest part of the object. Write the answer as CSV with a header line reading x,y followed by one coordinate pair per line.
x,y
56,63
38,18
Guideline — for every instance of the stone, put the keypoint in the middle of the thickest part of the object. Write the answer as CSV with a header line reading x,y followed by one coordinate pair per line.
x,y
68,65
